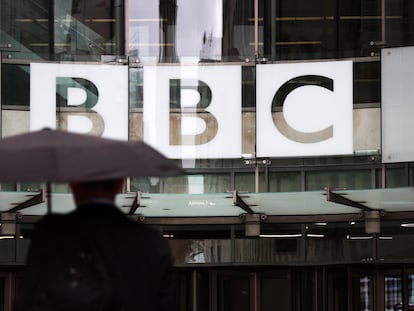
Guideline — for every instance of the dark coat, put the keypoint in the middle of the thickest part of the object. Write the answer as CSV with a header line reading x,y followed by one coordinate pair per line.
x,y
138,257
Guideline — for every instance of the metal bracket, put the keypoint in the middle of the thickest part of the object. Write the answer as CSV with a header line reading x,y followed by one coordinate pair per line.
x,y
136,203
37,199
238,201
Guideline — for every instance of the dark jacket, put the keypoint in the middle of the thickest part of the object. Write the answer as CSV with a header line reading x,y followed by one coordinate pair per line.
x,y
137,257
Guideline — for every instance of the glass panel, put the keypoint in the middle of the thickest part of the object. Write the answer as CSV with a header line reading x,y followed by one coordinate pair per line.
x,y
7,248
207,183
184,293
2,293
411,173
246,182
23,243
284,181
200,251
366,294
80,28
337,289
307,295
6,186
338,242
248,86
392,293
86,28
399,22
26,186
61,187
367,84
145,184
395,177
18,78
206,30
136,88
203,290
352,179
278,243
275,282
395,241
25,26
319,29
268,250
234,293
411,291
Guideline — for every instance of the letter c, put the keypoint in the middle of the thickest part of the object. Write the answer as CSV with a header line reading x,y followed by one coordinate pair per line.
x,y
279,99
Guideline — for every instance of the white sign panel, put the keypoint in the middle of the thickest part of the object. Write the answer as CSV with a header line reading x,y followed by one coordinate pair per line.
x,y
397,106
205,102
99,91
314,101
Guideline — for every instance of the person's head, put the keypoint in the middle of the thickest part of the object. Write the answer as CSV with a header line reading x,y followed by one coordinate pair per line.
x,y
101,189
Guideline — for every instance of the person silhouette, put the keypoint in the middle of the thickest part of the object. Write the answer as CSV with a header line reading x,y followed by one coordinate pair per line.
x,y
132,262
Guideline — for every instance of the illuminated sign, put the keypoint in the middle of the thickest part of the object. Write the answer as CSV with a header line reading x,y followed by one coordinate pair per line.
x,y
189,112
91,98
312,109
193,111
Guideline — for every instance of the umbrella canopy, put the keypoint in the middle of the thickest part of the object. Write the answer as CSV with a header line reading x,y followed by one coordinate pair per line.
x,y
60,156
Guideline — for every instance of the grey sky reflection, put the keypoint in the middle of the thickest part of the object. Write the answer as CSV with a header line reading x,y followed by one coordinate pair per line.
x,y
195,20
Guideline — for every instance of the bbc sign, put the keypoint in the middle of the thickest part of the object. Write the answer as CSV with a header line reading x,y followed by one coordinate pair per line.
x,y
302,109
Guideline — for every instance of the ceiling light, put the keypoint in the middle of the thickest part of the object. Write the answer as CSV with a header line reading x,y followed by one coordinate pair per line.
x,y
314,235
294,235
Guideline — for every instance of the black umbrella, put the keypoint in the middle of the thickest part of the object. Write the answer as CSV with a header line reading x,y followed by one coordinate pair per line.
x,y
59,156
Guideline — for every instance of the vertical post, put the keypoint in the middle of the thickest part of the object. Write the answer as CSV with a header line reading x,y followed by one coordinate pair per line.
x,y
383,176
48,197
273,30
383,29
1,108
194,287
2,46
51,25
256,28
119,26
232,244
255,292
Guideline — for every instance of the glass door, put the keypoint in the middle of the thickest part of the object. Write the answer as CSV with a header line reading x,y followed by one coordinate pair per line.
x,y
234,291
382,290
254,290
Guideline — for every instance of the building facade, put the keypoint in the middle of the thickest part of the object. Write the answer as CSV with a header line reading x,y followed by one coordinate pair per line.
x,y
291,118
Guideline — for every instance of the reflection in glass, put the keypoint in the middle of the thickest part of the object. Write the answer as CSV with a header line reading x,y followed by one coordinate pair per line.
x,y
365,293
246,182
200,251
179,30
207,183
395,177
87,28
392,292
284,181
411,290
352,179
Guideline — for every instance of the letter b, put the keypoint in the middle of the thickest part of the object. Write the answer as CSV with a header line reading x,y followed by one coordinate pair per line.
x,y
193,112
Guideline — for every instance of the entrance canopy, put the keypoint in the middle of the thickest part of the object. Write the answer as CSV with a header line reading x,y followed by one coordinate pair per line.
x,y
287,206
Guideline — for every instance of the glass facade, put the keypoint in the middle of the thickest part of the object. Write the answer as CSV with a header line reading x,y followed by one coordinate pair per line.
x,y
135,34
193,45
